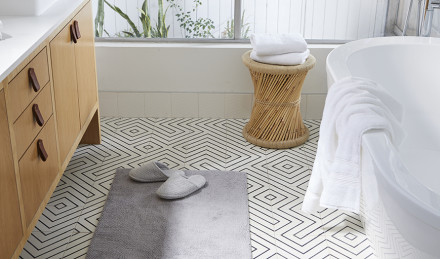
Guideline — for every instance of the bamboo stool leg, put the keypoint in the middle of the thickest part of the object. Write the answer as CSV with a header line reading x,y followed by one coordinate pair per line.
x,y
276,120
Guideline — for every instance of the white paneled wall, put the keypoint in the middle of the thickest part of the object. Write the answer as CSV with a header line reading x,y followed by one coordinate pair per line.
x,y
315,19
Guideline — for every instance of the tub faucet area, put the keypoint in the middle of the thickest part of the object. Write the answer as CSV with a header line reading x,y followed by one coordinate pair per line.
x,y
427,23
425,13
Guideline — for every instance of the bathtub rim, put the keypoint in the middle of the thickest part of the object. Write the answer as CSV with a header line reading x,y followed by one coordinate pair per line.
x,y
337,69
336,62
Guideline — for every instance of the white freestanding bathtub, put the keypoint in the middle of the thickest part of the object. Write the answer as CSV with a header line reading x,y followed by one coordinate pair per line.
x,y
400,185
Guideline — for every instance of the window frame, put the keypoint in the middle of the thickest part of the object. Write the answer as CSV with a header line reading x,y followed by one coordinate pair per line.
x,y
237,35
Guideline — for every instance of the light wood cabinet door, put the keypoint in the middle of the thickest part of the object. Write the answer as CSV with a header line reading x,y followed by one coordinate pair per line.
x,y
65,89
85,63
37,174
10,219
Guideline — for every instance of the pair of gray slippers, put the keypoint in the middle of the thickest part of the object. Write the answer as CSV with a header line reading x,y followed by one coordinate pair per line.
x,y
177,184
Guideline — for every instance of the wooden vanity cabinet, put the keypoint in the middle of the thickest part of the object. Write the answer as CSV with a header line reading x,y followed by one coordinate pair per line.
x,y
37,173
74,77
85,64
48,105
10,220
21,91
65,89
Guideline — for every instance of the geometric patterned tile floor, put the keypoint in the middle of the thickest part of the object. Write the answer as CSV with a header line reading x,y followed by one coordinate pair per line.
x,y
277,181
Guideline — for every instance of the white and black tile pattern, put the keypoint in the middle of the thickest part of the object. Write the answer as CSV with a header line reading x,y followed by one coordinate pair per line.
x,y
277,181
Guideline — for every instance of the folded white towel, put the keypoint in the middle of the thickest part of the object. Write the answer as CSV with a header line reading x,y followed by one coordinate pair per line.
x,y
275,44
353,106
289,59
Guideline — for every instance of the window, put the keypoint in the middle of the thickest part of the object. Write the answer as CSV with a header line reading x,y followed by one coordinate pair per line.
x,y
216,19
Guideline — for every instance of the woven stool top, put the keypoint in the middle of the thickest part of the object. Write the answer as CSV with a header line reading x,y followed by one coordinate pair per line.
x,y
276,69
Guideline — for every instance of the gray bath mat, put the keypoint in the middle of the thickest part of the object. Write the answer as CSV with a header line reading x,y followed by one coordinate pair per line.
x,y
210,223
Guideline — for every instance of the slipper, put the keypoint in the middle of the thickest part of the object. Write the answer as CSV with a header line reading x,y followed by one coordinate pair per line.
x,y
179,186
153,172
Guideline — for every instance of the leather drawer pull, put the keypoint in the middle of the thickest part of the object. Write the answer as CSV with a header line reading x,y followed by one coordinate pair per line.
x,y
77,32
73,34
33,79
37,115
41,150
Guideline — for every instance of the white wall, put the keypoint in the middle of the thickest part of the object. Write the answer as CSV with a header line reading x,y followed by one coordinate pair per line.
x,y
189,80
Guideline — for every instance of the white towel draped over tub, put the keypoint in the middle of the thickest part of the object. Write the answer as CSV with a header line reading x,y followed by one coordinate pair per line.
x,y
276,44
353,106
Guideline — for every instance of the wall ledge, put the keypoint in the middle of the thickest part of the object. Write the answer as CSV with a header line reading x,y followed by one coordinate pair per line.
x,y
197,45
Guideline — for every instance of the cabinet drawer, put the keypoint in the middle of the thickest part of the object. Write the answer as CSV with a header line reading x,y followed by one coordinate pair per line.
x,y
36,175
27,126
21,89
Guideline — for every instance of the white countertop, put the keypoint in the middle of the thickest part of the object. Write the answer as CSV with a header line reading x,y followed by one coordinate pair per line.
x,y
23,34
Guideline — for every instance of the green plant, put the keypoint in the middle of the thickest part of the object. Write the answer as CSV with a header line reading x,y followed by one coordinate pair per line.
x,y
99,19
229,29
161,27
161,30
145,19
125,16
198,28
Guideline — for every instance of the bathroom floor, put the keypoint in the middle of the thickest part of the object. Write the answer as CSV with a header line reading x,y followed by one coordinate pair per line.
x,y
277,181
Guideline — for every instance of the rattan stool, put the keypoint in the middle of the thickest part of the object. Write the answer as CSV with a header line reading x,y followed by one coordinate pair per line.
x,y
276,120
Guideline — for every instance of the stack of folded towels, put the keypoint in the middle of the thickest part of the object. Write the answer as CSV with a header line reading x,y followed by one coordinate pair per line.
x,y
279,49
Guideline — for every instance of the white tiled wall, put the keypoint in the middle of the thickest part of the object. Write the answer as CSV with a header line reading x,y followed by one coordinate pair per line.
x,y
131,105
238,105
157,105
184,105
199,88
314,106
188,68
108,104
212,105
193,105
